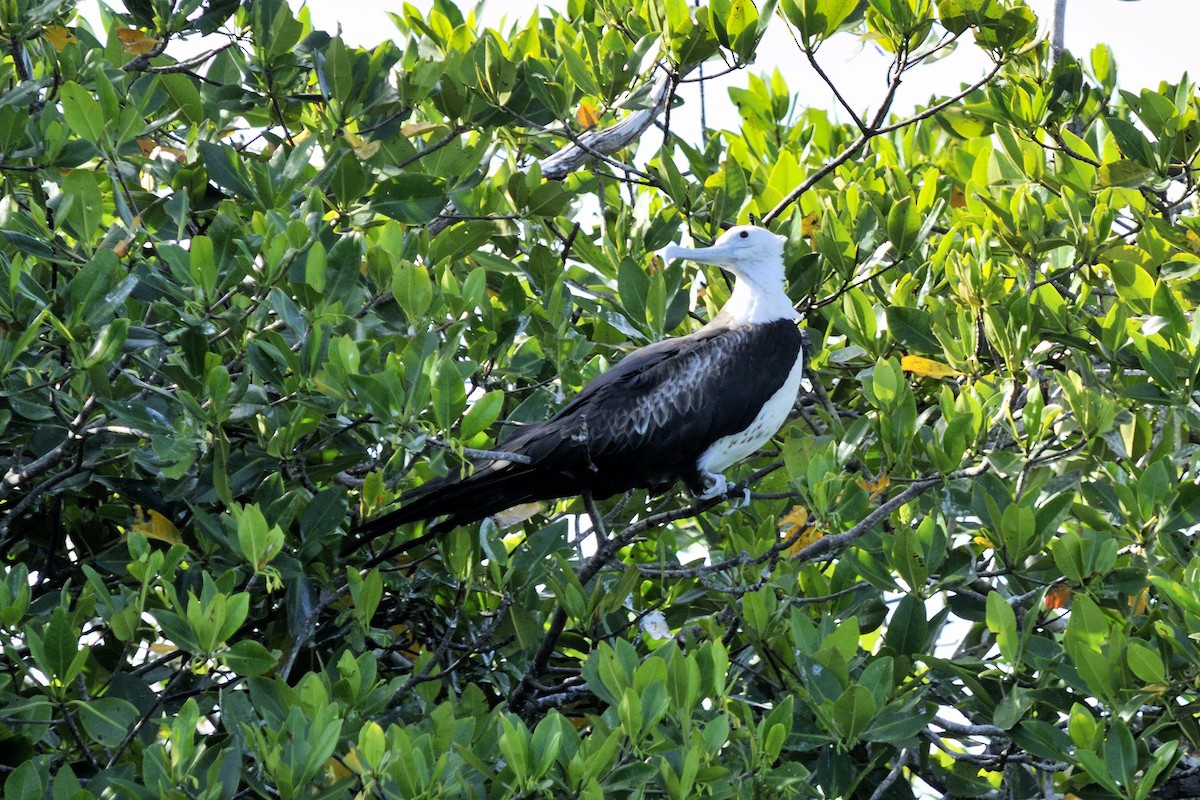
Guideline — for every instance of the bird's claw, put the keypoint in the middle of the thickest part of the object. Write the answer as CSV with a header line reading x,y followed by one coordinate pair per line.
x,y
739,503
718,485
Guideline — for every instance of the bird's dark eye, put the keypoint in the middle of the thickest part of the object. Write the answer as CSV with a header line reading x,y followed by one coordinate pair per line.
x,y
744,234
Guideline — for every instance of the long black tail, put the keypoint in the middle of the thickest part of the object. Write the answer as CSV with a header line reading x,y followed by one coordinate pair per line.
x,y
457,501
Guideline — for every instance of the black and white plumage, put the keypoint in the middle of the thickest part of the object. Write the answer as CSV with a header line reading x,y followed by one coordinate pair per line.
x,y
683,409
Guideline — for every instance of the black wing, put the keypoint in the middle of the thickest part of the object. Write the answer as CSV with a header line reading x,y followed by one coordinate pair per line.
x,y
642,424
646,421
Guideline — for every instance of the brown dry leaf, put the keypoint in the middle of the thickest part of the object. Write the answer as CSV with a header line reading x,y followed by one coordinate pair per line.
x,y
1058,596
411,129
154,525
59,36
137,42
121,248
927,367
587,115
957,198
149,148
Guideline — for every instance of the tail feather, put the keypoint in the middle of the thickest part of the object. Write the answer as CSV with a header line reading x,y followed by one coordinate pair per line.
x,y
457,502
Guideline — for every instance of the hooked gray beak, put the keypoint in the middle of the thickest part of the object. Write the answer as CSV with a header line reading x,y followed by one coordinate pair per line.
x,y
717,254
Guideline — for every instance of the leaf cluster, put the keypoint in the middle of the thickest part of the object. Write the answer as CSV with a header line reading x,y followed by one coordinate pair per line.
x,y
251,297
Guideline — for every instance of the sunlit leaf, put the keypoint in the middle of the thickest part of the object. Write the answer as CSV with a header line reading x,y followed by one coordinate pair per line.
x,y
154,525
928,367
137,42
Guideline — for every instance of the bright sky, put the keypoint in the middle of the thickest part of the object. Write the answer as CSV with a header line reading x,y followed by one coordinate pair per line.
x,y
1153,40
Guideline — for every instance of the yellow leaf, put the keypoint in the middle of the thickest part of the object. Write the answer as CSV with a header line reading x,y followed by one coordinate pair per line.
x,y
154,525
59,36
810,224
363,148
409,646
1139,603
806,538
411,129
796,518
586,115
348,765
136,42
983,541
796,521
1193,240
876,487
927,367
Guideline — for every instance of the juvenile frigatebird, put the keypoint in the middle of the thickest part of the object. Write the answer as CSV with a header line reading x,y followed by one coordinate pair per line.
x,y
683,409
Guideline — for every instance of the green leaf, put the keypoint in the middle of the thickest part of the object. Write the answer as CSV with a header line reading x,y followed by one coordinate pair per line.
x,y
896,726
1002,621
1145,662
1133,143
853,712
1120,753
83,112
185,96
219,162
1124,172
410,198
248,658
107,720
482,413
26,781
108,344
913,329
909,628
903,225
449,394
412,288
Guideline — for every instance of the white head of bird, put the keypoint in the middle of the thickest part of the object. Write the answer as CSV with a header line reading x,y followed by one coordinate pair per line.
x,y
755,258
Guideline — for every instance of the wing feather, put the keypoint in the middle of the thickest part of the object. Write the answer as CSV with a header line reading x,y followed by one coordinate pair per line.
x,y
647,420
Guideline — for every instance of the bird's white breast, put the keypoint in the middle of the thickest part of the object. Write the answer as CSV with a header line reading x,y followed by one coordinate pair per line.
x,y
729,450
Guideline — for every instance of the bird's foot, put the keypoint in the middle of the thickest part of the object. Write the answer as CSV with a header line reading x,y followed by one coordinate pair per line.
x,y
717,485
741,502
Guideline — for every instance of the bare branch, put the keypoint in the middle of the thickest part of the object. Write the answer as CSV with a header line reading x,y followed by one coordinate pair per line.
x,y
828,545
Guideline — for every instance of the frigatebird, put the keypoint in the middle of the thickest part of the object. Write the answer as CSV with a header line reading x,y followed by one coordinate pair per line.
x,y
682,409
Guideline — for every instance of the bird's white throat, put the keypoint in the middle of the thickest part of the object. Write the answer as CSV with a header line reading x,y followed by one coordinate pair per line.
x,y
752,303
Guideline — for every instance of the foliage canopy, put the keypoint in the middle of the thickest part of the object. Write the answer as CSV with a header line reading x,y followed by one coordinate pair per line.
x,y
253,295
